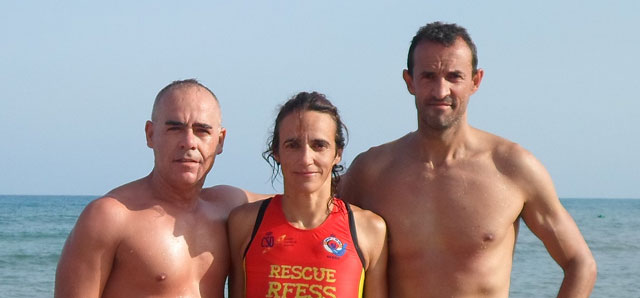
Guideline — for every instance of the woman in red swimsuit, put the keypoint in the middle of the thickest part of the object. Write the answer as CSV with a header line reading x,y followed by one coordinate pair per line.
x,y
306,242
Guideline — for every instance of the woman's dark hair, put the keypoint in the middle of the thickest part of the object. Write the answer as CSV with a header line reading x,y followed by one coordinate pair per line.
x,y
305,101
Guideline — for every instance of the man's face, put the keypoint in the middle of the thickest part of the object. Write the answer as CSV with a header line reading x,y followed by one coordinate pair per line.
x,y
186,135
442,83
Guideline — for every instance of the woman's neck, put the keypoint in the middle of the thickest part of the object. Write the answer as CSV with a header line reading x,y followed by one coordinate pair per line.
x,y
306,211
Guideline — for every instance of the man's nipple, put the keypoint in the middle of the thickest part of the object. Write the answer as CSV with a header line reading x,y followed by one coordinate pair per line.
x,y
161,277
488,237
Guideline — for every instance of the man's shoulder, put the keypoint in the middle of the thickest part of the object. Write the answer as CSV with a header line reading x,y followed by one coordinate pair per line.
x,y
498,146
118,201
102,220
367,167
132,195
378,156
388,147
512,159
230,196
131,189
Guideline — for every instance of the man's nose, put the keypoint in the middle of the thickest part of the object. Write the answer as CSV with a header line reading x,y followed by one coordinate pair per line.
x,y
441,89
188,140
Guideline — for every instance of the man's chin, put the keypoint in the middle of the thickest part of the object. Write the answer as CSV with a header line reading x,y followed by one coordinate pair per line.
x,y
441,123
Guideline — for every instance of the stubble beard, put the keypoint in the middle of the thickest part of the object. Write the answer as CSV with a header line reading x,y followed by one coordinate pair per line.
x,y
442,122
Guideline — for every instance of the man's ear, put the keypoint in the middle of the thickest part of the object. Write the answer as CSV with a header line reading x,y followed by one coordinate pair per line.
x,y
477,79
408,79
221,135
148,131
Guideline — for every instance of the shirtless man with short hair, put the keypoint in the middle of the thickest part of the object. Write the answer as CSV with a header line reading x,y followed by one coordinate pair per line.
x,y
162,235
452,195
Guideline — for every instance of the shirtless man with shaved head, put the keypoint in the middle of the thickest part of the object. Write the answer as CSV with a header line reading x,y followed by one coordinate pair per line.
x,y
452,195
162,235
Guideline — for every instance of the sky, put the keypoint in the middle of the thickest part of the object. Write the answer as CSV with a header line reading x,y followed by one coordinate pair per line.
x,y
78,79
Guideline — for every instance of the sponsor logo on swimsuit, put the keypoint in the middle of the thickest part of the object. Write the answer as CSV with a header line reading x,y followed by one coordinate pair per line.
x,y
334,246
286,240
268,240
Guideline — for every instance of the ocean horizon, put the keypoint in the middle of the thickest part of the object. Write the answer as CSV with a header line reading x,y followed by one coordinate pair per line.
x,y
35,228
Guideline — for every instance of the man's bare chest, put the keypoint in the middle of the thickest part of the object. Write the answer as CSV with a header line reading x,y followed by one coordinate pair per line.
x,y
167,251
460,208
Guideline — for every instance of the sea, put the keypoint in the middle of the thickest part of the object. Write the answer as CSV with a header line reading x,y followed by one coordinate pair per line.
x,y
33,230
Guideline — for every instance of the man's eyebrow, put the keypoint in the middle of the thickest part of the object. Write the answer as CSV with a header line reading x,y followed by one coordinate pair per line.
x,y
197,124
426,72
202,125
174,123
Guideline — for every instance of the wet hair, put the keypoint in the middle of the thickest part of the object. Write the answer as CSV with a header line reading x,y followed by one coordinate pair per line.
x,y
305,101
178,84
446,35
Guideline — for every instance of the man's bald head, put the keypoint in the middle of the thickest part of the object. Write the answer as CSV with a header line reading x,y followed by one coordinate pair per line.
x,y
188,83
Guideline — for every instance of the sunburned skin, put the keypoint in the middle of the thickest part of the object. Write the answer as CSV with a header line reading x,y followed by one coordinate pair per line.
x,y
162,235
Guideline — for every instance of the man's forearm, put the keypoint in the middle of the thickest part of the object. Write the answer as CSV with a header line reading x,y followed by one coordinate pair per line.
x,y
579,278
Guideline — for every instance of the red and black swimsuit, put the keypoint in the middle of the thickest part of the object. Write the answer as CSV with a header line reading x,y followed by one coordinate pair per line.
x,y
284,261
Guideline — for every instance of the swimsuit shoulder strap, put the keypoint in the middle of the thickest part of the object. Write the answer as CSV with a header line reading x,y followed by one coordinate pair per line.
x,y
256,226
354,234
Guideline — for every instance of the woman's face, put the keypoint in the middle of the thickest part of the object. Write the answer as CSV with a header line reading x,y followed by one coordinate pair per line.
x,y
307,151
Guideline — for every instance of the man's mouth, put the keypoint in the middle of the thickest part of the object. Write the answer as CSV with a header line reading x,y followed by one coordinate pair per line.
x,y
186,160
442,102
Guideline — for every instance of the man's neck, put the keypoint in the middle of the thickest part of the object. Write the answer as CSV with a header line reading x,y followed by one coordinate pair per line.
x,y
441,147
185,197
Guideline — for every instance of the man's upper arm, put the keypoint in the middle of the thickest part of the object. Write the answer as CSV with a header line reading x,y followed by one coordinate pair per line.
x,y
549,220
235,196
87,257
